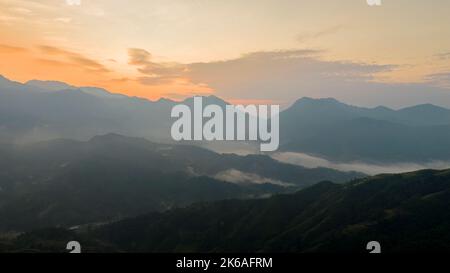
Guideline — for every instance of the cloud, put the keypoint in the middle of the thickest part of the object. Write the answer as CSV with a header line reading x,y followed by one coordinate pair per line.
x,y
11,49
443,56
238,177
155,73
139,57
120,80
291,74
21,10
8,19
309,161
439,79
65,20
53,62
73,2
72,58
155,80
304,37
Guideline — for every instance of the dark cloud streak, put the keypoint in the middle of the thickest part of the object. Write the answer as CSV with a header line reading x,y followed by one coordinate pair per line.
x,y
155,73
72,58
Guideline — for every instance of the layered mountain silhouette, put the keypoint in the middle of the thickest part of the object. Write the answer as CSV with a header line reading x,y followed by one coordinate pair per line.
x,y
82,163
67,182
337,131
404,212
43,110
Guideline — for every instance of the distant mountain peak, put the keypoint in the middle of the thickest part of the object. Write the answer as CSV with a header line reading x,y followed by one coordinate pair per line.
x,y
109,136
7,81
118,138
46,82
50,85
425,107
217,100
307,102
318,100
164,100
382,108
211,99
100,92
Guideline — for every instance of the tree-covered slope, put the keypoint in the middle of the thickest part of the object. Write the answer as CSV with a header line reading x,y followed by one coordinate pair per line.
x,y
404,212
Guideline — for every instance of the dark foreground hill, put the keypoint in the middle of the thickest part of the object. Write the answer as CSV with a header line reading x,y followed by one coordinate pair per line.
x,y
405,212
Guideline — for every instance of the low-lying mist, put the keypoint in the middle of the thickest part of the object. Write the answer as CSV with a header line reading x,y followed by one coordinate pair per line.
x,y
309,161
236,176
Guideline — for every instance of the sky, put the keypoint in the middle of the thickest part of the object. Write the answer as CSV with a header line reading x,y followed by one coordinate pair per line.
x,y
253,51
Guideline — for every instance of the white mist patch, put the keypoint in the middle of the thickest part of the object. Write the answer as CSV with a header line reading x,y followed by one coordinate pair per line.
x,y
238,177
309,161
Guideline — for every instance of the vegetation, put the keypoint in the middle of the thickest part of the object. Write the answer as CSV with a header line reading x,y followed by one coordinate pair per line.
x,y
404,212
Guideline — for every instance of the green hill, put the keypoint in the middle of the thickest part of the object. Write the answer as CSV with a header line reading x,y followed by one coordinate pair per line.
x,y
67,183
404,212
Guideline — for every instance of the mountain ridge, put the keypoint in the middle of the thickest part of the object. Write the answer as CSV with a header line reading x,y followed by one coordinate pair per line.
x,y
325,128
406,212
329,100
60,182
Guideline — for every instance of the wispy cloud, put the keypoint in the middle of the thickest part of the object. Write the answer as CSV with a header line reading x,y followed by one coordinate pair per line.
x,y
21,10
307,36
309,161
11,49
65,20
9,19
443,55
72,58
439,79
281,75
53,62
155,72
238,177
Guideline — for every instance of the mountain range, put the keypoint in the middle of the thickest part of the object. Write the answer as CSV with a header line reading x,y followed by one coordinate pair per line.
x,y
82,163
404,212
68,183
340,132
327,128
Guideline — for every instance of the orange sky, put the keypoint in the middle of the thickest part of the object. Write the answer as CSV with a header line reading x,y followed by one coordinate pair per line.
x,y
48,63
145,48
